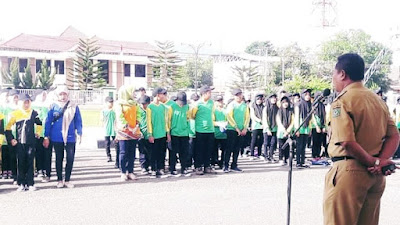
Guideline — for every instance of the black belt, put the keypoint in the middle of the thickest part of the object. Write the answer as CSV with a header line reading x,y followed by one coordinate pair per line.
x,y
335,159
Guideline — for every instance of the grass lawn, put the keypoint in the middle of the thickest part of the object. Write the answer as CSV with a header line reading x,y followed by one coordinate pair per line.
x,y
91,118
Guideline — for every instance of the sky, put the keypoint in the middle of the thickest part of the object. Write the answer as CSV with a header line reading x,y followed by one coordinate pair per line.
x,y
226,25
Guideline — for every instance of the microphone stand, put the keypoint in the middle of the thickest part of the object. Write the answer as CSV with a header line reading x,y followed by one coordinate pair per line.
x,y
289,142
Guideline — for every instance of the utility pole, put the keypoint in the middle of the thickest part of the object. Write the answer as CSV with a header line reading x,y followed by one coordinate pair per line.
x,y
328,12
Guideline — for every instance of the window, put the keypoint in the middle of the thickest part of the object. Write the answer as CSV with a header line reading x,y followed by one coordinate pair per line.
x,y
140,70
59,65
39,64
23,63
105,69
127,70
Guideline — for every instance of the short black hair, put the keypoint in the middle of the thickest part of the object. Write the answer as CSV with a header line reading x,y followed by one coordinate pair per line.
x,y
142,89
352,64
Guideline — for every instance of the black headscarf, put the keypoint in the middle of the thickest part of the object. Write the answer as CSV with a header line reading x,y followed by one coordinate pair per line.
x,y
272,110
320,110
285,114
258,108
304,109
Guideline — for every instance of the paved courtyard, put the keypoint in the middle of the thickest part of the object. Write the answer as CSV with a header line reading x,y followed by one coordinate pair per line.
x,y
256,196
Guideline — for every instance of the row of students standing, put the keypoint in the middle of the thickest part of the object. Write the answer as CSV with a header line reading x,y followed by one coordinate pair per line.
x,y
191,133
32,130
197,132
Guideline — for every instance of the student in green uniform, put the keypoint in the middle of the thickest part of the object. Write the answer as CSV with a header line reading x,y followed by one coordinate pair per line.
x,y
238,116
203,114
144,145
192,130
256,110
5,156
270,127
179,134
284,120
109,119
43,155
301,111
157,115
9,151
220,132
318,128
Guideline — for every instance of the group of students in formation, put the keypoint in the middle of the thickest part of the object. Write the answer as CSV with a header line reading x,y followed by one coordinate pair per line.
x,y
201,133
30,128
205,133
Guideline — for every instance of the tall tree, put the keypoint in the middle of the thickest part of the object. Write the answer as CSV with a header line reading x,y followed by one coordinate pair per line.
x,y
165,64
261,48
10,75
299,82
293,64
89,75
27,78
246,77
45,78
357,41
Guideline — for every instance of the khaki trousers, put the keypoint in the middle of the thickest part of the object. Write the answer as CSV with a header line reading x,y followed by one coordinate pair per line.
x,y
352,195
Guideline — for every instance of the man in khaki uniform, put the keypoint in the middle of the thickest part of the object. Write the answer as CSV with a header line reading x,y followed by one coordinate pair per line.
x,y
363,139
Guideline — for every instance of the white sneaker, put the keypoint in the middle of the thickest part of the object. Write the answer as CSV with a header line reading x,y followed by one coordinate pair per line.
x,y
21,188
124,177
132,176
32,188
40,173
69,185
60,184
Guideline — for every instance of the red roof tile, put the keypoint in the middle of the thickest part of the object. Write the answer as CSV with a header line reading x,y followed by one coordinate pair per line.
x,y
68,41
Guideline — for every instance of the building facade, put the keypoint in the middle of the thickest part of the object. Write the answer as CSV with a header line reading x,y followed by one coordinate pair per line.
x,y
124,62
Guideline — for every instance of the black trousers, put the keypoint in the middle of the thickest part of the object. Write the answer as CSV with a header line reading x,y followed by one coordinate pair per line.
x,y
204,147
246,143
40,155
116,142
301,148
13,156
256,140
26,154
270,143
192,149
5,158
317,139
233,148
144,159
283,153
157,153
70,150
219,144
180,145
48,153
108,140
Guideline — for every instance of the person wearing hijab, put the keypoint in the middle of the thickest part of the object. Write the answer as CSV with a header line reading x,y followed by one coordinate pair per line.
x,y
318,129
127,129
270,127
301,111
284,120
63,128
43,155
24,140
256,110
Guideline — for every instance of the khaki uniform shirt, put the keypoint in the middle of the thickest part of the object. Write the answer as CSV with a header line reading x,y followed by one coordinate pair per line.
x,y
358,114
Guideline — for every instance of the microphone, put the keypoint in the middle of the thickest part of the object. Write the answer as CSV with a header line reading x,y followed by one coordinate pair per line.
x,y
325,94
